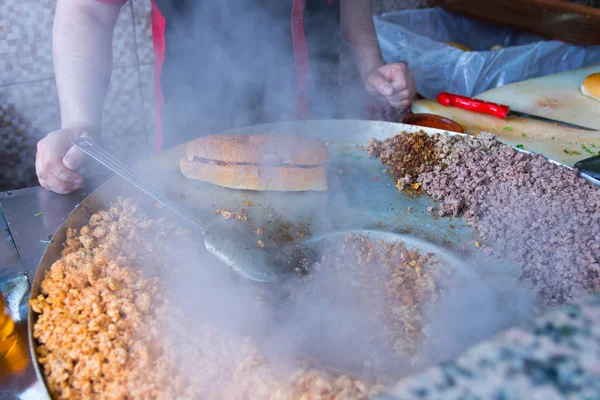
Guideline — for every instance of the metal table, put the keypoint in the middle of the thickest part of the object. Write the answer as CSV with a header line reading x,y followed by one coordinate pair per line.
x,y
28,220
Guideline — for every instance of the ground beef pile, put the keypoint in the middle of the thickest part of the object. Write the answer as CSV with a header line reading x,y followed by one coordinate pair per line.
x,y
106,328
407,157
542,215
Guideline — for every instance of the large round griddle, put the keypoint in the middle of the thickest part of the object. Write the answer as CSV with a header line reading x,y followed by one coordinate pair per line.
x,y
361,196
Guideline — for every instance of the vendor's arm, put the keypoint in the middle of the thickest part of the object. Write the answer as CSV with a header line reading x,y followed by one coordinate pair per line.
x,y
394,82
82,51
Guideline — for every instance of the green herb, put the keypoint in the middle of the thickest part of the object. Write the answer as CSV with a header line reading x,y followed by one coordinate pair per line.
x,y
576,152
587,150
567,330
523,134
5,229
553,138
520,146
593,145
37,214
507,128
566,151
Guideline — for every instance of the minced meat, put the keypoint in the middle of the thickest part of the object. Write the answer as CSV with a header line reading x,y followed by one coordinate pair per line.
x,y
540,214
407,157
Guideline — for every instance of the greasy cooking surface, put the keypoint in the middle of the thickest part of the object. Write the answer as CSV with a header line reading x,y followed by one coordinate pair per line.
x,y
108,328
361,196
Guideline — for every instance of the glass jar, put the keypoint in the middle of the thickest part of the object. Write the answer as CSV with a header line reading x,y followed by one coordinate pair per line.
x,y
13,345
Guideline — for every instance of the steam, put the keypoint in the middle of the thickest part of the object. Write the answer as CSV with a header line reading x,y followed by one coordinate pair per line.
x,y
334,327
215,76
482,301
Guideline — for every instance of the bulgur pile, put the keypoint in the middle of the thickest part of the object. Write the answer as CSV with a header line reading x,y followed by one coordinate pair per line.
x,y
542,215
106,328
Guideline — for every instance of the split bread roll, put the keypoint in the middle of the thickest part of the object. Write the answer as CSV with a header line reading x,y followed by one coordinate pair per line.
x,y
257,162
591,86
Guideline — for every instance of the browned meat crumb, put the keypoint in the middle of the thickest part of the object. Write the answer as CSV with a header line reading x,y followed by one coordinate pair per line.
x,y
227,214
407,156
241,215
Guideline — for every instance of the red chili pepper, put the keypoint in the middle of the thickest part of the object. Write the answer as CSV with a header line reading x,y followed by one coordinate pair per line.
x,y
467,103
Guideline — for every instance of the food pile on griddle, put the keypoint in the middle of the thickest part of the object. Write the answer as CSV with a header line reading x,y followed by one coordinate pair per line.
x,y
389,288
521,206
407,156
108,328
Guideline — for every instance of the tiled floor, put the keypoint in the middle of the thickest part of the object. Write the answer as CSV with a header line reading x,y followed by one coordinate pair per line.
x,y
28,99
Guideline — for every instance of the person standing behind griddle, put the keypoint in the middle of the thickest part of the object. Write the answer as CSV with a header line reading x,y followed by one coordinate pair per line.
x,y
220,64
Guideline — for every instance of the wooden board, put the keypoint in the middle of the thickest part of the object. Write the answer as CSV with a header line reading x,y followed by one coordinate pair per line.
x,y
555,96
555,19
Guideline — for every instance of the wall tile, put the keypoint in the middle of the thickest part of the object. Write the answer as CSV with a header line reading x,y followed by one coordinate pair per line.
x,y
147,84
25,44
28,111
142,10
123,127
26,40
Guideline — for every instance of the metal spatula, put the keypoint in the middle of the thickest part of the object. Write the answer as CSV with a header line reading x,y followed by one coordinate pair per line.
x,y
590,166
231,244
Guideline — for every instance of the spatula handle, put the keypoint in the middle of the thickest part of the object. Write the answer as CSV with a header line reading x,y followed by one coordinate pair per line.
x,y
106,159
467,103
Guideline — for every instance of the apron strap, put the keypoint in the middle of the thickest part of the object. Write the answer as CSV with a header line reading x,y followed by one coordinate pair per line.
x,y
158,41
300,58
301,64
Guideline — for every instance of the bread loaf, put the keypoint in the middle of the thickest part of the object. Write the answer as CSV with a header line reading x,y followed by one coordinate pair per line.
x,y
257,162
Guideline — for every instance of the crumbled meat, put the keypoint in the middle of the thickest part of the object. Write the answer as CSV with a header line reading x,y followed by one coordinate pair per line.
x,y
105,328
408,156
241,215
540,214
227,214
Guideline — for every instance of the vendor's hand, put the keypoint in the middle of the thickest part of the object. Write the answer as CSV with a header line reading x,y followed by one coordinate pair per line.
x,y
57,161
394,83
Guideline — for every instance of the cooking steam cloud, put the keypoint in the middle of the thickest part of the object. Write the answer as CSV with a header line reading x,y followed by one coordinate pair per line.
x,y
333,327
230,86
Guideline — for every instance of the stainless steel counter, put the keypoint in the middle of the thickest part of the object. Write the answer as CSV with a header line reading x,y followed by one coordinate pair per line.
x,y
28,220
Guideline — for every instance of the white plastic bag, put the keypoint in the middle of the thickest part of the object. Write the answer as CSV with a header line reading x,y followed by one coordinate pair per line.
x,y
417,37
